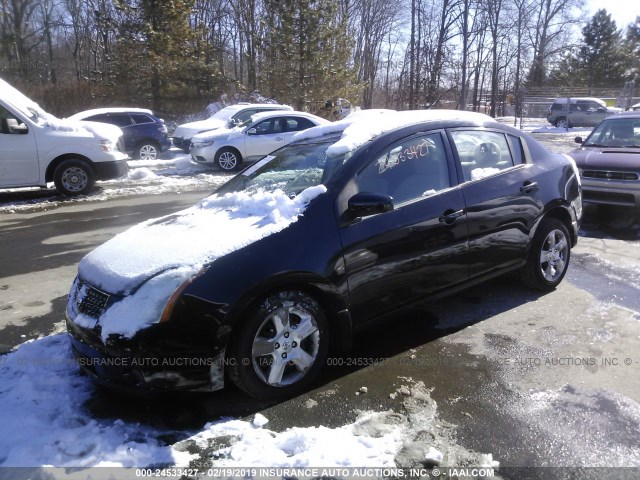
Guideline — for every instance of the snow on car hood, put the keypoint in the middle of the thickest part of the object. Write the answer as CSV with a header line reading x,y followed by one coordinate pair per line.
x,y
188,130
149,261
219,134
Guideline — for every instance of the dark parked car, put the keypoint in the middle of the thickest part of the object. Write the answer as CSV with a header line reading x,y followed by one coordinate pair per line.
x,y
297,252
609,161
144,135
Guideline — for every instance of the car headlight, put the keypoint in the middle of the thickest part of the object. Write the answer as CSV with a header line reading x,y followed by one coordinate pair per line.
x,y
204,143
107,146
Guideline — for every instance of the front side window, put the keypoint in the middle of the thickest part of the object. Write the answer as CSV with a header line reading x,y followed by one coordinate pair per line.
x,y
483,153
408,170
272,125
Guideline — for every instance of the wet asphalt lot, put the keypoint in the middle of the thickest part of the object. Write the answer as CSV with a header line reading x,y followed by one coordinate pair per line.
x,y
536,380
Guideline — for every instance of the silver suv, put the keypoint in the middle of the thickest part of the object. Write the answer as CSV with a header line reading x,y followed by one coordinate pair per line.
x,y
578,112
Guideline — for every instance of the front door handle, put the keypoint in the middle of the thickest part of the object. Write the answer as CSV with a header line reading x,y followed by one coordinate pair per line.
x,y
450,216
528,187
279,139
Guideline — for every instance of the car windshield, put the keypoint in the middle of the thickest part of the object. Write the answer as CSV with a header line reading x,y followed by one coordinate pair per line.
x,y
291,169
224,114
619,132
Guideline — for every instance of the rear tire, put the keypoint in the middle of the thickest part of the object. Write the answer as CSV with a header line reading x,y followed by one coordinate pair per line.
x,y
281,346
147,151
73,177
549,256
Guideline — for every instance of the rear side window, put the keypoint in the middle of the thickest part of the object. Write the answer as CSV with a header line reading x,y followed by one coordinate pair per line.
x,y
141,118
297,124
484,153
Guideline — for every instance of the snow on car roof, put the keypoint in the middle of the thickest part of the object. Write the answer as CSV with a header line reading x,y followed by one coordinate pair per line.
x,y
100,111
362,126
582,99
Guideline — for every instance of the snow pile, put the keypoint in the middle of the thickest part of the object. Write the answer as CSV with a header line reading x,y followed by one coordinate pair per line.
x,y
141,174
44,422
303,447
171,249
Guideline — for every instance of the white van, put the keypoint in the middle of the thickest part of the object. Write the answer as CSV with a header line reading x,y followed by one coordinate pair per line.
x,y
37,148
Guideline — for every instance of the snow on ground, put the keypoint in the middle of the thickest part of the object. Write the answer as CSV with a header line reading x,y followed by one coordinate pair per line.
x,y
145,177
46,422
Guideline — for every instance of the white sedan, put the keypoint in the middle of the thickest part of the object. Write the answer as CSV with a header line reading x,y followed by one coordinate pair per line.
x,y
252,140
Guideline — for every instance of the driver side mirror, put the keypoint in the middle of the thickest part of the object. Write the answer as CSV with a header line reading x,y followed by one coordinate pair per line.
x,y
252,131
578,140
365,204
11,125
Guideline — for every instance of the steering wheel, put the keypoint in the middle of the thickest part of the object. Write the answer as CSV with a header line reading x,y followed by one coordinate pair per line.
x,y
487,154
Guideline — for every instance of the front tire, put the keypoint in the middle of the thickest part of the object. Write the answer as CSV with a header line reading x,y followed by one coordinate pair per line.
x,y
228,159
562,123
549,256
280,347
73,177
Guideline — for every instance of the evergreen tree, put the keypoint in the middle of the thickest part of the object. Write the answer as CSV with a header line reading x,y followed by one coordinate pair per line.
x,y
632,48
157,52
307,51
601,59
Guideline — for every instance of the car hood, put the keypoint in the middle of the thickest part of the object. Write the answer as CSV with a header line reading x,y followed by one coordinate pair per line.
x,y
607,158
144,265
218,135
188,130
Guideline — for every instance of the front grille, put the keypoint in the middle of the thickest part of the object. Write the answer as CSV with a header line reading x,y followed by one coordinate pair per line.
x,y
608,197
88,300
611,175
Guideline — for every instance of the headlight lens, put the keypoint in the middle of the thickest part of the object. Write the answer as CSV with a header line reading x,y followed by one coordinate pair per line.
x,y
205,143
107,146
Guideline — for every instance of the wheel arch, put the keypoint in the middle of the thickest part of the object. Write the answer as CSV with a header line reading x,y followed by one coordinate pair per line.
x,y
333,305
51,168
228,147
562,214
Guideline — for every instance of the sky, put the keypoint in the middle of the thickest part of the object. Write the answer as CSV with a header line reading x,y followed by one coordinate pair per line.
x,y
622,11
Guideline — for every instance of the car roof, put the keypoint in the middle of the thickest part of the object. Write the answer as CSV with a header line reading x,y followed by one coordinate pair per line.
x,y
290,113
630,114
363,126
575,99
100,111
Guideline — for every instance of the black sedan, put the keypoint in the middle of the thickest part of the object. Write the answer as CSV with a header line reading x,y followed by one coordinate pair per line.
x,y
351,223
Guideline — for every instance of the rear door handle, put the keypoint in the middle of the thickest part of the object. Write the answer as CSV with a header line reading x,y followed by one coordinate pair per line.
x,y
279,139
528,187
450,216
